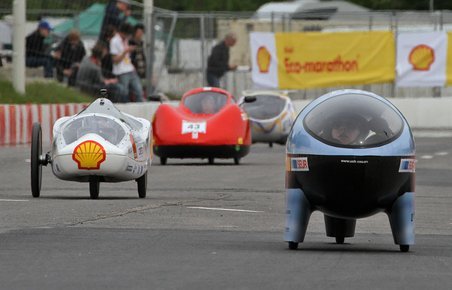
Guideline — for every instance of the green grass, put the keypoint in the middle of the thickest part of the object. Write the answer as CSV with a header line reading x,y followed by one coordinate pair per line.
x,y
41,93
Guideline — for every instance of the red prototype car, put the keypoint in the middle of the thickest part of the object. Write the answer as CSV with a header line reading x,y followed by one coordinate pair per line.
x,y
206,124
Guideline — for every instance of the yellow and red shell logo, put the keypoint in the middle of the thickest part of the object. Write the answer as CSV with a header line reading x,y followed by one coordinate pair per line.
x,y
421,57
89,155
263,59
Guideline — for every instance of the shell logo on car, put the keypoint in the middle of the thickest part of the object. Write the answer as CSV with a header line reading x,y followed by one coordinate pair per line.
x,y
263,59
89,155
421,57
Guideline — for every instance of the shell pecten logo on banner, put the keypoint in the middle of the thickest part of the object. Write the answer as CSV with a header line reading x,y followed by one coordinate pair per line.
x,y
419,64
89,155
263,59
421,57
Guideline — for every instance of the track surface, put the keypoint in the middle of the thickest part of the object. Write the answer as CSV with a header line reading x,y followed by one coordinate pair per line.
x,y
177,238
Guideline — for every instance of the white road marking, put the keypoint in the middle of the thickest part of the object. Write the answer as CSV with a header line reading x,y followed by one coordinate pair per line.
x,y
224,209
13,200
442,153
427,156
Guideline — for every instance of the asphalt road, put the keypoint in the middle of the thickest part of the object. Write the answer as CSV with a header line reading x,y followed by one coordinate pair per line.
x,y
178,238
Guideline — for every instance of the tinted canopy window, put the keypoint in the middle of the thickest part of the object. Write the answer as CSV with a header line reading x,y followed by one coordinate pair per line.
x,y
102,126
107,108
265,107
354,120
205,102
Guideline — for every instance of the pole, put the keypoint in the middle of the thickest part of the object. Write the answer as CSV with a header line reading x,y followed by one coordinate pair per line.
x,y
148,16
203,48
19,46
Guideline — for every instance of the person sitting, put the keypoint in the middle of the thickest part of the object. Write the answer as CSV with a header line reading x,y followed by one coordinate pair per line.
x,y
347,129
36,51
90,79
69,54
208,105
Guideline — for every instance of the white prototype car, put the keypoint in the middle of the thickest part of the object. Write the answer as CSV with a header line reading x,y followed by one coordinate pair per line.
x,y
271,116
99,144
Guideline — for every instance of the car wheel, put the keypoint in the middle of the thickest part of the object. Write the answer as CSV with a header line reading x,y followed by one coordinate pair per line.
x,y
94,186
293,245
211,160
236,161
142,184
340,240
36,166
404,248
163,160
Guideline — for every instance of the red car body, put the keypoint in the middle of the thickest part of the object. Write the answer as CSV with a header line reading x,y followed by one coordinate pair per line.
x,y
186,131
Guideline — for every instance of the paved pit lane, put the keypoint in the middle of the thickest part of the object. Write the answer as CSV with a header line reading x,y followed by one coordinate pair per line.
x,y
211,226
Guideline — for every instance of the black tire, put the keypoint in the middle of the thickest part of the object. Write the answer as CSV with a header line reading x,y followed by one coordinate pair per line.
x,y
36,166
270,144
404,248
211,160
163,160
293,245
236,160
340,240
142,184
94,186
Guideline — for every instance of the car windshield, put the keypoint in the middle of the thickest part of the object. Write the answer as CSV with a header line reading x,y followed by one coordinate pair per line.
x,y
205,102
265,107
106,107
104,127
354,120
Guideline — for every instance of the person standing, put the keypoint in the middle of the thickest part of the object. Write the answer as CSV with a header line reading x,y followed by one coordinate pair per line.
x,y
122,64
138,57
116,13
218,61
36,52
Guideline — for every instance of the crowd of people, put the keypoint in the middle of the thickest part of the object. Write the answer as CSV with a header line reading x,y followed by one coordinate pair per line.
x,y
116,62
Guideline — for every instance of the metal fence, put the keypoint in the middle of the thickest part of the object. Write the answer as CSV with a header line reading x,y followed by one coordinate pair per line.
x,y
189,37
182,42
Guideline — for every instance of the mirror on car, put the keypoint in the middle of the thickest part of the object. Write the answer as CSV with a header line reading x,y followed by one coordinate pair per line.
x,y
250,99
155,98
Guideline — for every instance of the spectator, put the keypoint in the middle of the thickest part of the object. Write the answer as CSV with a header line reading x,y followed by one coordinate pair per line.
x,y
116,13
218,62
122,65
107,62
69,54
137,56
37,52
90,79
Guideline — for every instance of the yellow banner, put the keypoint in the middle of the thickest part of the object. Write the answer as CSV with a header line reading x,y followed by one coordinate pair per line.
x,y
449,59
317,59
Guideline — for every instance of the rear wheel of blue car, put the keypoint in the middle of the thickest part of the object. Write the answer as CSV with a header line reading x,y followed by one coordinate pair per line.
x,y
142,184
340,240
94,186
293,245
404,248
